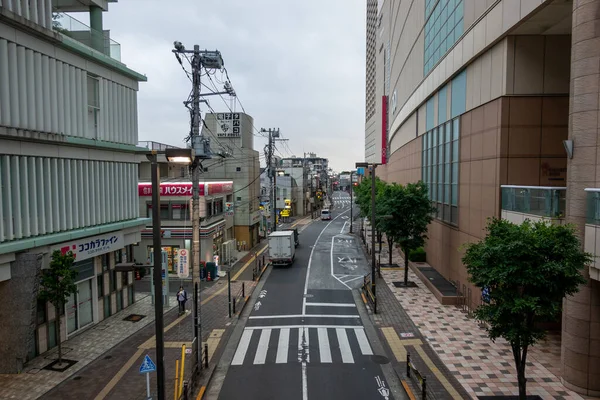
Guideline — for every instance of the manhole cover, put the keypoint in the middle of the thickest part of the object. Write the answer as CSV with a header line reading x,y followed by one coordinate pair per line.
x,y
377,359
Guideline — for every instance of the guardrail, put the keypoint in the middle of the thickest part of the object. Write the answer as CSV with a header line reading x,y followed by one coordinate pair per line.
x,y
241,294
412,371
367,292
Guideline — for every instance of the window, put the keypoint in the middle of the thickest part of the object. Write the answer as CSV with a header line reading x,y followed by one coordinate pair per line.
x,y
118,256
443,27
105,261
238,169
124,279
93,100
41,315
440,169
180,211
100,285
218,206
239,198
113,280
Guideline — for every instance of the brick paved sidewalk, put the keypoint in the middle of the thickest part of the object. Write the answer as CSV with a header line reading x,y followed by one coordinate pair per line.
x,y
113,350
482,367
85,347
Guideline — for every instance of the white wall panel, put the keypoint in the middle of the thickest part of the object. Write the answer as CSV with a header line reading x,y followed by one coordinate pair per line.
x,y
86,194
5,87
16,197
42,185
22,87
7,209
14,84
46,100
25,195
58,98
68,193
61,194
73,102
66,99
31,87
38,91
50,194
2,189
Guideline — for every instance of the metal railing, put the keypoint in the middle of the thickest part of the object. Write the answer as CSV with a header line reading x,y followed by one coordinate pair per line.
x,y
366,289
535,200
79,31
592,206
413,373
239,296
151,145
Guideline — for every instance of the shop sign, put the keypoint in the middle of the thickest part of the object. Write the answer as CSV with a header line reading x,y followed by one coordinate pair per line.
x,y
228,208
92,246
185,188
228,125
183,268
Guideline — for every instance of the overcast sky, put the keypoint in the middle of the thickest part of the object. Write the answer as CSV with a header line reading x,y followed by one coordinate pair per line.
x,y
296,65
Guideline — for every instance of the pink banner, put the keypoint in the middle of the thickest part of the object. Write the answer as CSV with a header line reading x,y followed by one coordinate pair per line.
x,y
184,189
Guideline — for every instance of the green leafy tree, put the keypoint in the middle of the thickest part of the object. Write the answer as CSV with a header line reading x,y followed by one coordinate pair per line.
x,y
525,272
58,283
384,209
363,199
409,212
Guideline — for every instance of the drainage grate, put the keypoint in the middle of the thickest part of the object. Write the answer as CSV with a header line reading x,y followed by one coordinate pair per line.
x,y
401,284
378,359
134,317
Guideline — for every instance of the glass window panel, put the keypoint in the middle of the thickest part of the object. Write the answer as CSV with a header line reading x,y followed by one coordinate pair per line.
x,y
455,150
440,137
446,193
455,128
455,172
51,334
435,156
454,215
460,8
454,194
447,171
440,189
448,136
447,155
459,29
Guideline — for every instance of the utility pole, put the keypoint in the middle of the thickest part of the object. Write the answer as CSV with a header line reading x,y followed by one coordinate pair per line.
x,y
201,147
273,137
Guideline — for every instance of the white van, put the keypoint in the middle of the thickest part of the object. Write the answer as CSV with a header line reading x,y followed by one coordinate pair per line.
x,y
325,214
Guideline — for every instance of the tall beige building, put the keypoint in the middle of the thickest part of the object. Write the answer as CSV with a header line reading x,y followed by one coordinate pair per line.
x,y
481,99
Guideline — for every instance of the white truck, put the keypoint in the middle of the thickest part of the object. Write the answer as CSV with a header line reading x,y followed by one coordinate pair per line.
x,y
282,247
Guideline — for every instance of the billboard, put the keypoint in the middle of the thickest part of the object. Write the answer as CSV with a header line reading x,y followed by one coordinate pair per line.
x,y
229,125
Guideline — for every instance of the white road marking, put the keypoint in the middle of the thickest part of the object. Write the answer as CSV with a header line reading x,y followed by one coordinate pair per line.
x,y
343,226
263,346
324,348
301,316
353,279
331,262
363,342
344,346
310,262
253,328
331,304
240,353
282,346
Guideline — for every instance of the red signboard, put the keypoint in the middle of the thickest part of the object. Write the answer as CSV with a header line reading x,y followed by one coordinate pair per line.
x,y
384,129
184,189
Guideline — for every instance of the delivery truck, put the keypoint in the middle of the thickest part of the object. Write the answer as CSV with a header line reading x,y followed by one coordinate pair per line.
x,y
282,248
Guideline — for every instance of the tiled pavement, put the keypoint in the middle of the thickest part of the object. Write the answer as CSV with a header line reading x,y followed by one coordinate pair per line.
x,y
113,350
481,366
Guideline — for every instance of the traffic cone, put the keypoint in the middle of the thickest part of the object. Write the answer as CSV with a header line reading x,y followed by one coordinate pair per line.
x,y
208,278
137,274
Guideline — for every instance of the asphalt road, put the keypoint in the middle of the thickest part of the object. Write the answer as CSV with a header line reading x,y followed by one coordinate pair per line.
x,y
304,338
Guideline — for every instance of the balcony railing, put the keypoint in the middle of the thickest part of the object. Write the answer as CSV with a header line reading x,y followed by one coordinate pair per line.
x,y
592,206
535,200
79,31
150,145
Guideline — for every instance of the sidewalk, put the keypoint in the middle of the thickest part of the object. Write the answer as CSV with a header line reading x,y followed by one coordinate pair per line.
x,y
109,354
482,368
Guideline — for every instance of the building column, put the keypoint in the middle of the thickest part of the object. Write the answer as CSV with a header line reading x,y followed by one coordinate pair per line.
x,y
97,31
581,313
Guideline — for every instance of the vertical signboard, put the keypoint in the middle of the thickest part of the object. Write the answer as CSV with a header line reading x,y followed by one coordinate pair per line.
x,y
384,113
183,269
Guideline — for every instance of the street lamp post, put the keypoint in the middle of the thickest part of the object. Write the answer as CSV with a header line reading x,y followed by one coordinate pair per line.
x,y
351,201
373,288
158,290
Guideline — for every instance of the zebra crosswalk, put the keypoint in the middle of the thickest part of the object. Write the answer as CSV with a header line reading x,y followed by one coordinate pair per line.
x,y
324,344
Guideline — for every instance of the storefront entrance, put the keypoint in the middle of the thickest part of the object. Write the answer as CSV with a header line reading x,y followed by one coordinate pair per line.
x,y
80,307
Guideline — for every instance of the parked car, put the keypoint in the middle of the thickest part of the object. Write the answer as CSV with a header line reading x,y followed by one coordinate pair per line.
x,y
325,215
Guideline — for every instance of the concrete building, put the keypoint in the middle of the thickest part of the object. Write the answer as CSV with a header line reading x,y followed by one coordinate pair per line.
x,y
232,134
176,225
476,98
68,170
311,175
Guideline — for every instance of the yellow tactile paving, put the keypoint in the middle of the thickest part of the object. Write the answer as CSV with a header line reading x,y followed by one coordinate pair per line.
x,y
213,341
437,372
113,382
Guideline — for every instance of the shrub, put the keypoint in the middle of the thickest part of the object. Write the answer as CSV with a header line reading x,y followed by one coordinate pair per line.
x,y
417,255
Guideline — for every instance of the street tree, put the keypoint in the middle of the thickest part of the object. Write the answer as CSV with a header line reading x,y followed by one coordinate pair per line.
x,y
524,271
57,284
410,212
384,209
363,196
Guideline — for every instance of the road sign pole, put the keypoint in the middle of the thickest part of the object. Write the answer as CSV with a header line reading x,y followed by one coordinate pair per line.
x,y
147,385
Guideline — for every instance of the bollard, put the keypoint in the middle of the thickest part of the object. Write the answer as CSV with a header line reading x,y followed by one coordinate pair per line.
x,y
234,301
243,289
205,355
408,365
185,390
424,388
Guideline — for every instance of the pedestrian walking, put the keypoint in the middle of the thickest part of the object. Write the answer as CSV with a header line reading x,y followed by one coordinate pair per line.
x,y
181,298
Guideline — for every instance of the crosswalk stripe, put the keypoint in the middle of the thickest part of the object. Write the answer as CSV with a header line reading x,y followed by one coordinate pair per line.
x,y
282,346
324,349
331,304
344,346
240,353
365,349
263,346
